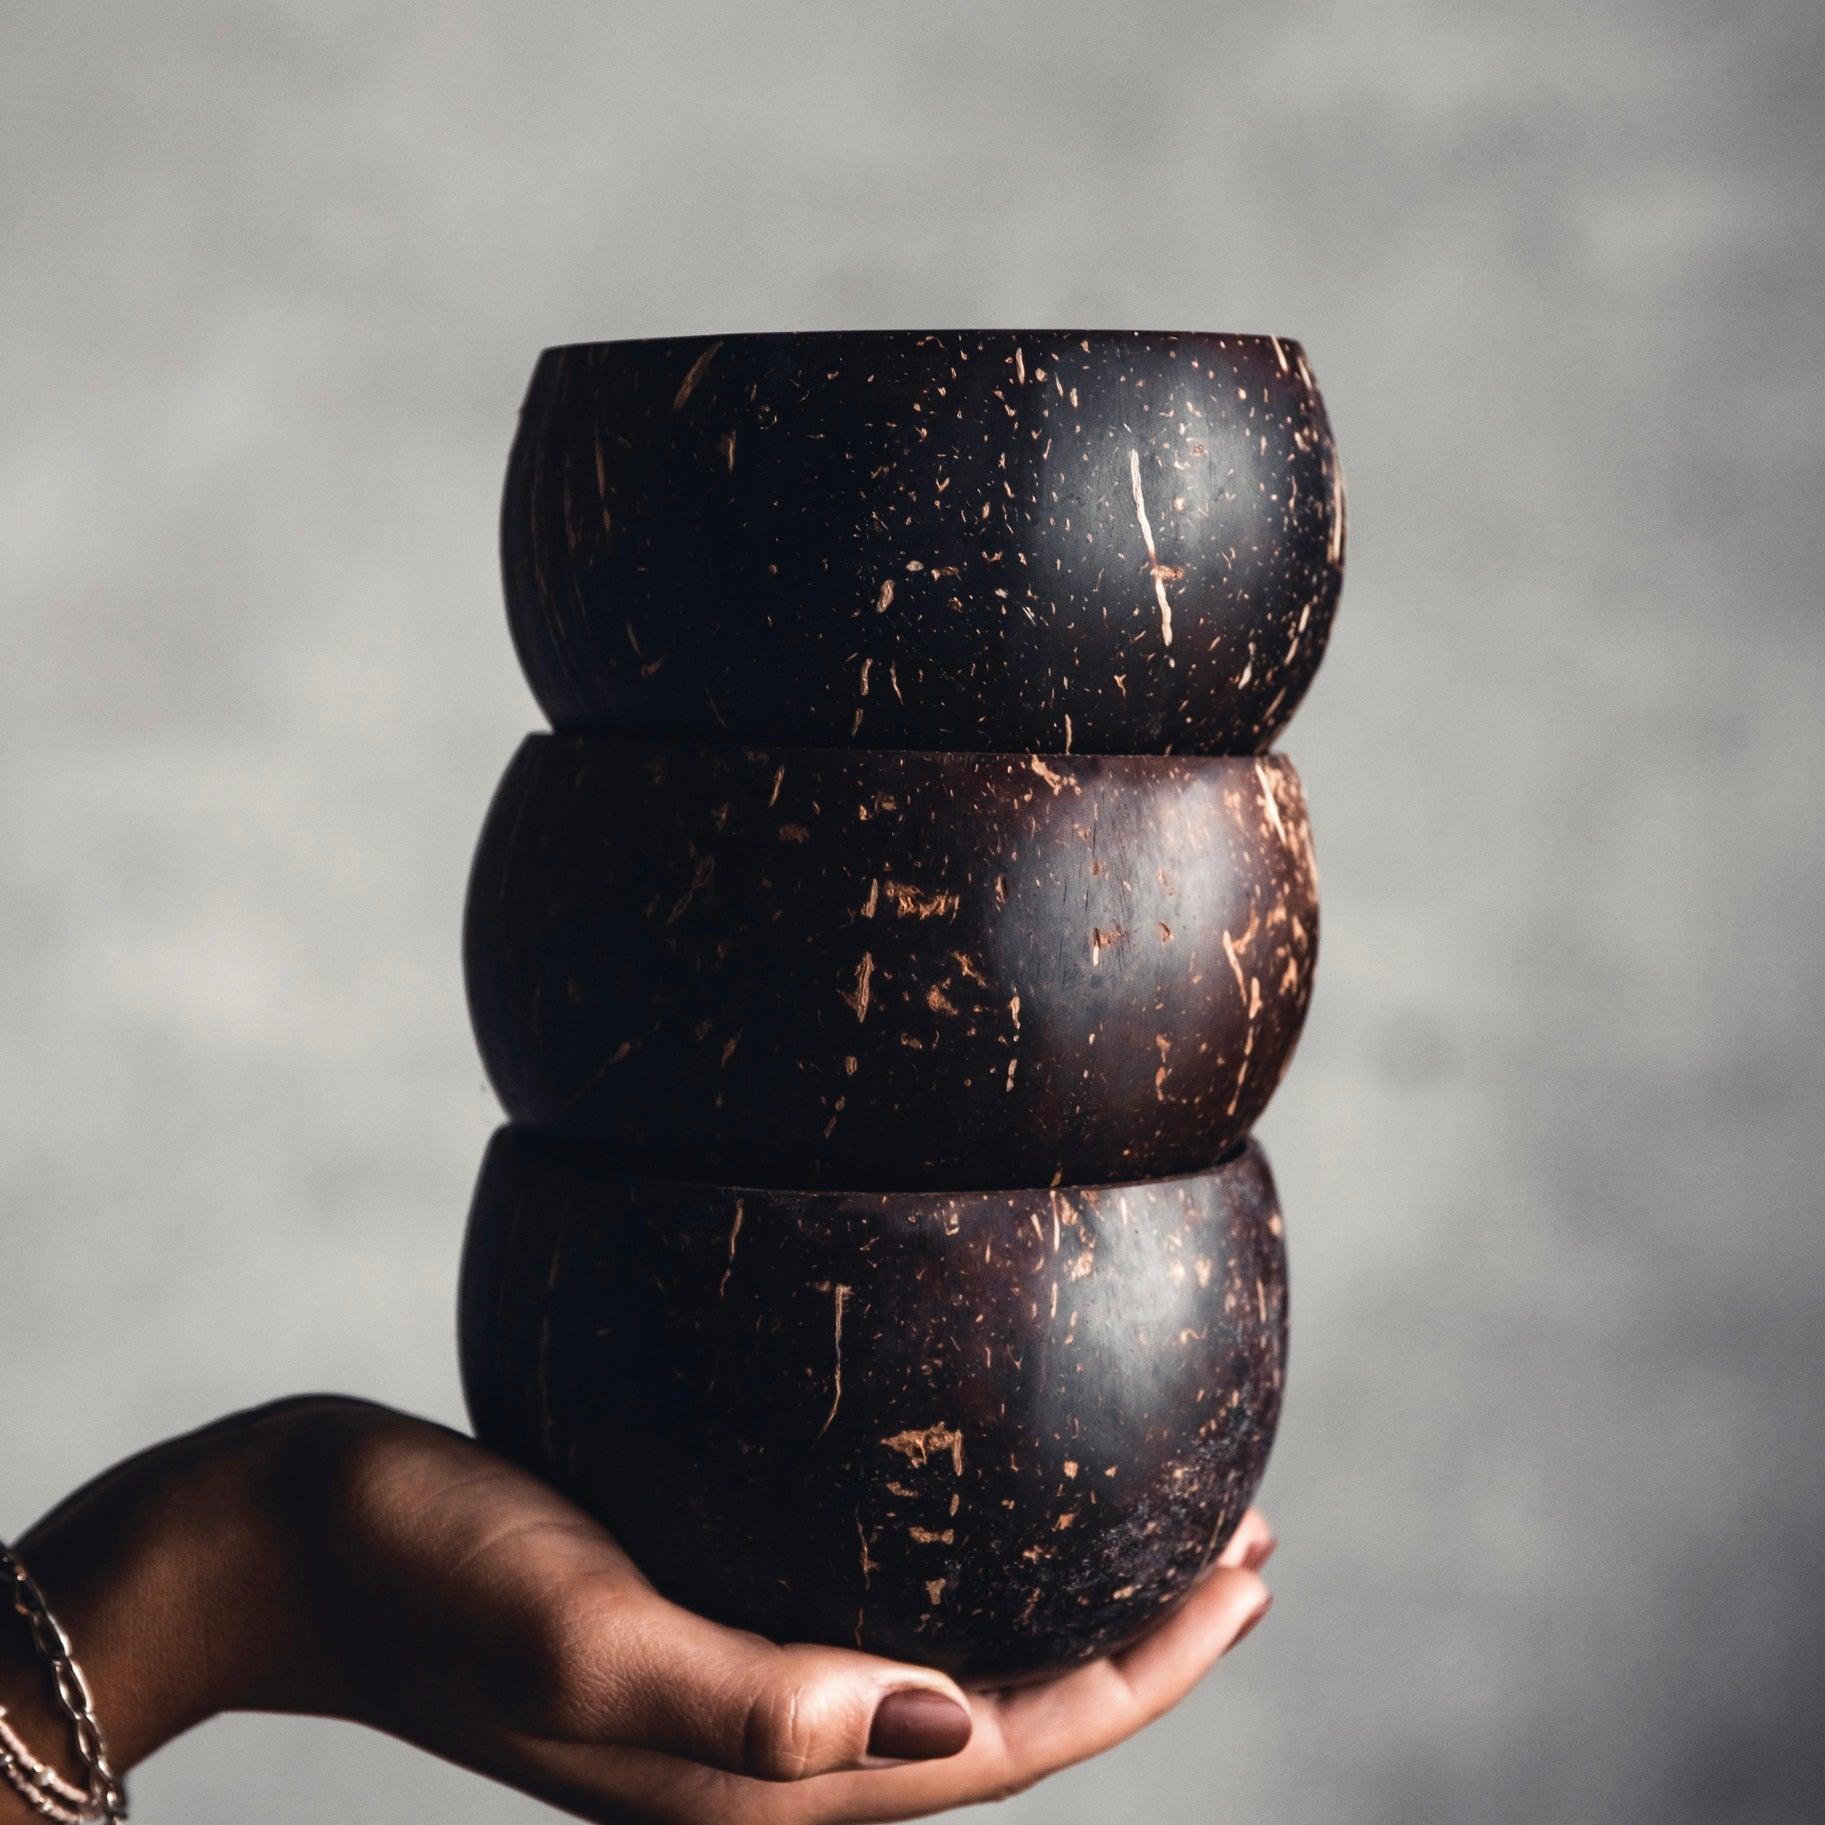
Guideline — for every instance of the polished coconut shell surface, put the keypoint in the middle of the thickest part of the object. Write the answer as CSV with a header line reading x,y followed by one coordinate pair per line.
x,y
900,971
1113,542
991,1432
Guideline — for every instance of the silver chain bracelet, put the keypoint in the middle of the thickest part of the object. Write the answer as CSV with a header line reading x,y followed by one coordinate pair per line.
x,y
42,1788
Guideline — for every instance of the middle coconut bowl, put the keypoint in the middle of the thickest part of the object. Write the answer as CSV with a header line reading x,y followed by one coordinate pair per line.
x,y
891,970
991,1432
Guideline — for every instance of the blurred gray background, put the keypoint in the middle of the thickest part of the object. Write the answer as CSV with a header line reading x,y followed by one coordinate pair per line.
x,y
271,282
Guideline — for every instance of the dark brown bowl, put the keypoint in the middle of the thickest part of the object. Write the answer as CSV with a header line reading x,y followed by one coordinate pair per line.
x,y
994,1432
1056,540
893,970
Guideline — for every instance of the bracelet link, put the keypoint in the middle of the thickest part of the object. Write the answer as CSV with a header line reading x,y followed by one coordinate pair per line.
x,y
41,1787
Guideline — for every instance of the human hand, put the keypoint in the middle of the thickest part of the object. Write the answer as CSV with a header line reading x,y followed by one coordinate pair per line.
x,y
344,1559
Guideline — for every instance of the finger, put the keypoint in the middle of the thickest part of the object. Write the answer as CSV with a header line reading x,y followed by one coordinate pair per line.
x,y
660,1677
1251,1545
1024,1735
1164,1665
1085,1712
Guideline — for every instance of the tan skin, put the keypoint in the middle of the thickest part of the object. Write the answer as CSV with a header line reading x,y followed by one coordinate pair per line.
x,y
333,1557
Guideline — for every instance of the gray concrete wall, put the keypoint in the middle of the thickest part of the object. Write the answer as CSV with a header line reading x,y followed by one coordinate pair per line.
x,y
271,280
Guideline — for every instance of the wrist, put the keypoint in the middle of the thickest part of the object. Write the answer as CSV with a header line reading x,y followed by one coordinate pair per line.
x,y
161,1574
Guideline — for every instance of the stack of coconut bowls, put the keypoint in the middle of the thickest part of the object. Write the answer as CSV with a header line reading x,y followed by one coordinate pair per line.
x,y
885,961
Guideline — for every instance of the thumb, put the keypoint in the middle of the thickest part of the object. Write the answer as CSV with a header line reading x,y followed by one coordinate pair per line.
x,y
669,1680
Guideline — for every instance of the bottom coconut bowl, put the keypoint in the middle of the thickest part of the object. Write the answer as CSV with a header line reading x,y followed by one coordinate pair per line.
x,y
992,1432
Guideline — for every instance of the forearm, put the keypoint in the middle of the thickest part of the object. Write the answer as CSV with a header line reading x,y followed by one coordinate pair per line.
x,y
160,1577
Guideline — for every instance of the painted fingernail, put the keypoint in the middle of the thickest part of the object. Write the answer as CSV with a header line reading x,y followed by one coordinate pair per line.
x,y
917,1725
1253,1623
1259,1554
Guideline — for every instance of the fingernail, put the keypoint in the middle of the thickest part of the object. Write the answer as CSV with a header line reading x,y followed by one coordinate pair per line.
x,y
1253,1623
918,1725
1259,1554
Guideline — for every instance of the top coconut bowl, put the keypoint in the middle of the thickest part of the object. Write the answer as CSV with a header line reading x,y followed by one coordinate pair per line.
x,y
996,540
